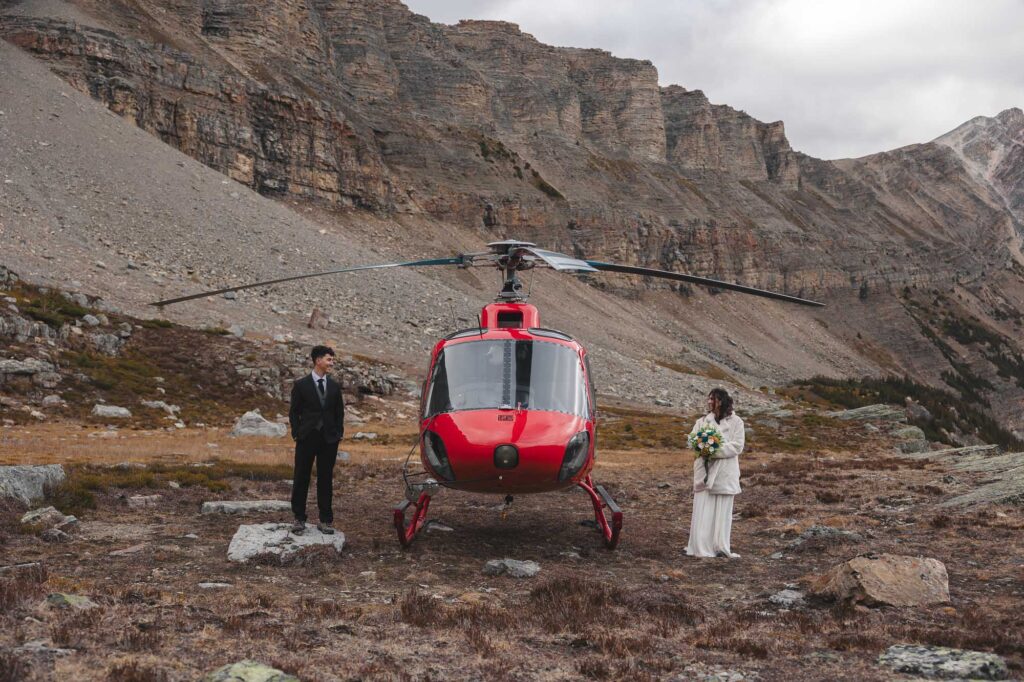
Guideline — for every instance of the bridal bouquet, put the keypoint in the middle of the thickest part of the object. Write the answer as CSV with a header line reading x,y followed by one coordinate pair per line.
x,y
705,442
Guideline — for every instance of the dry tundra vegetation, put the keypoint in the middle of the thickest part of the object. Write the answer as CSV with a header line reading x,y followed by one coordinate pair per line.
x,y
644,611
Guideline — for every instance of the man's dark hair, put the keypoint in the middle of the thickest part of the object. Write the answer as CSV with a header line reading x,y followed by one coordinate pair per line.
x,y
724,403
320,351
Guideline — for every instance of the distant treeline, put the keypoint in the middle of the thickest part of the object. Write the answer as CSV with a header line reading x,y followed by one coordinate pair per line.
x,y
948,412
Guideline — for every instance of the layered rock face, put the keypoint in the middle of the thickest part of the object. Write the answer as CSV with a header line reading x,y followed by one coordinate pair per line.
x,y
271,139
706,139
362,103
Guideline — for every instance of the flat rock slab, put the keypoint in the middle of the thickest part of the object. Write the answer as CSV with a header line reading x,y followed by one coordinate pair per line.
x,y
248,671
886,412
955,454
787,598
944,663
512,568
825,534
886,580
1008,490
143,501
245,506
263,539
253,424
27,483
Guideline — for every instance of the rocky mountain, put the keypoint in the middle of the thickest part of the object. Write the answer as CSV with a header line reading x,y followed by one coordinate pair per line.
x,y
366,114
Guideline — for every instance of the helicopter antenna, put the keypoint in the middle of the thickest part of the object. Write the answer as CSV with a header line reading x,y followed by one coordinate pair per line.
x,y
455,323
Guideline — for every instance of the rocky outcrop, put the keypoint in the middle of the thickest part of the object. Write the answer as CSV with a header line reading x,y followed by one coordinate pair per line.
x,y
886,580
705,139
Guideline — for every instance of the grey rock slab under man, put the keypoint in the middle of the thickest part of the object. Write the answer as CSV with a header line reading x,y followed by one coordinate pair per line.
x,y
512,568
245,506
276,539
253,424
944,663
248,671
28,483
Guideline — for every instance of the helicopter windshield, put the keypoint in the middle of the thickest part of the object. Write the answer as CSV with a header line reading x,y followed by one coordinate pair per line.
x,y
533,375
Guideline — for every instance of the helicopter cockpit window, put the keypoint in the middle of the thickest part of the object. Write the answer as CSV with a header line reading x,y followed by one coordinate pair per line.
x,y
532,375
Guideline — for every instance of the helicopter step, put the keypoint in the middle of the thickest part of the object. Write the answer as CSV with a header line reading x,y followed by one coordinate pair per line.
x,y
602,500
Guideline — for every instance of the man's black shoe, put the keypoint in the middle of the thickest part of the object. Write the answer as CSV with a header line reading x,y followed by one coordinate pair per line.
x,y
298,527
325,528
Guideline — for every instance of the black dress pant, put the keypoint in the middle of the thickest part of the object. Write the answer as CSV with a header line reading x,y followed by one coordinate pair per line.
x,y
314,447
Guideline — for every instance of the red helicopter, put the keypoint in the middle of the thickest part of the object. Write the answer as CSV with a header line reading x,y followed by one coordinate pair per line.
x,y
508,406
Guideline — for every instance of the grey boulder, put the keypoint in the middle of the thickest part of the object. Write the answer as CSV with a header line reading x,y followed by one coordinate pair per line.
x,y
111,412
253,424
27,483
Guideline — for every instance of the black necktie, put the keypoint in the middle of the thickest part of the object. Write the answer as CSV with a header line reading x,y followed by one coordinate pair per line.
x,y
320,389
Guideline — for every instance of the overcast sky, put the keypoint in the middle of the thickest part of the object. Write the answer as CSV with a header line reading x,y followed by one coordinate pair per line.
x,y
849,78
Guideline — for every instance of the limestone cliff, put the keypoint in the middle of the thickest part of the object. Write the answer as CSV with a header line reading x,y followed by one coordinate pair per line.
x,y
364,104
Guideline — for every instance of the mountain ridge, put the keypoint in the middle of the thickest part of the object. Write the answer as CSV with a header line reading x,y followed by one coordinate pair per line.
x,y
480,128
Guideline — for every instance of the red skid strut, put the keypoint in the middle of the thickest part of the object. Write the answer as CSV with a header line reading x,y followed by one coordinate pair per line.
x,y
406,532
601,500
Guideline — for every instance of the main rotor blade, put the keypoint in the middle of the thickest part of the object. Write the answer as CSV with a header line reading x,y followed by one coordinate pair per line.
x,y
665,274
457,260
559,261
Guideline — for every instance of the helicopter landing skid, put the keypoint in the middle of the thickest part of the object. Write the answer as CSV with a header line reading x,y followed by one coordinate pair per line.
x,y
602,500
407,531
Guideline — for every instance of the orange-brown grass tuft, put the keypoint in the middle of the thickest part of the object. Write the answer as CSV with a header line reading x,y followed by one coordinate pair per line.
x,y
12,668
24,586
134,671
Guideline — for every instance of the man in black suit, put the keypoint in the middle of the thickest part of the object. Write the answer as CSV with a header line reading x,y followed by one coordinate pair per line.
x,y
317,418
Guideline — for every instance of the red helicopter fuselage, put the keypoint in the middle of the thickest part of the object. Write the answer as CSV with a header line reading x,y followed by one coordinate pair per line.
x,y
508,407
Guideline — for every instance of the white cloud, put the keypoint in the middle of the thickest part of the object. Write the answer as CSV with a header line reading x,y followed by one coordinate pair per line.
x,y
848,78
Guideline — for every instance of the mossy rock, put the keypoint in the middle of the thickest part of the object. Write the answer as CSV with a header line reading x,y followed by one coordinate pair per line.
x,y
62,600
248,671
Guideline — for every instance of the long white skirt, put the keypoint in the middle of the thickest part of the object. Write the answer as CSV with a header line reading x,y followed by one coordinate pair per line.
x,y
710,525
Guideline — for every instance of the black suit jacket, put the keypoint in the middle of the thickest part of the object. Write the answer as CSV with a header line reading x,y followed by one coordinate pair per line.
x,y
306,413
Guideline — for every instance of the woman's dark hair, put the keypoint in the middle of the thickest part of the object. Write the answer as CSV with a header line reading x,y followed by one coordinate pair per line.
x,y
724,403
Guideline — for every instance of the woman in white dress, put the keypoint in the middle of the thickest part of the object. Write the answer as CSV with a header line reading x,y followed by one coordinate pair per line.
x,y
711,523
